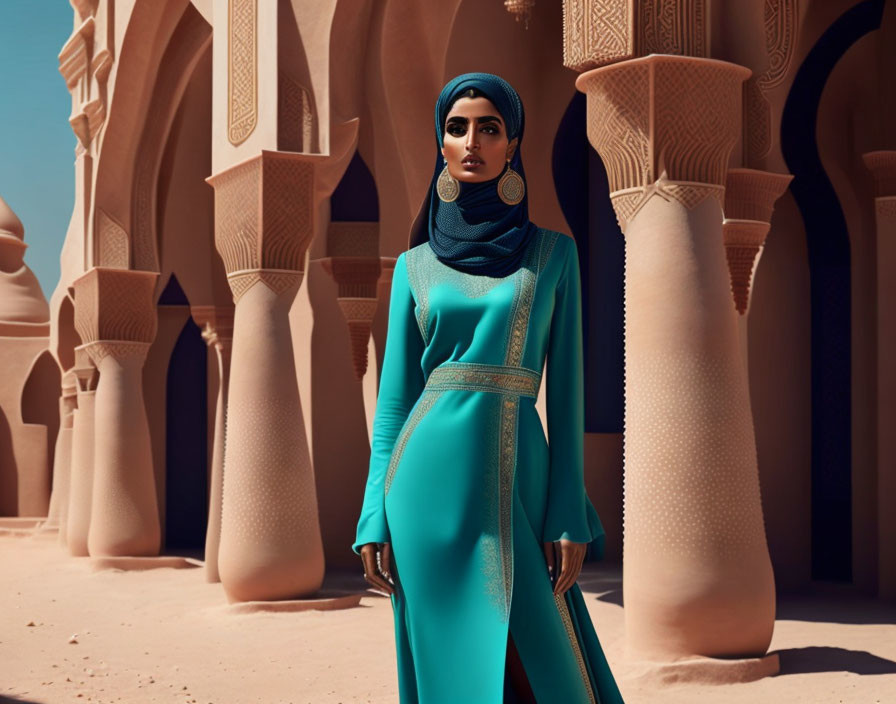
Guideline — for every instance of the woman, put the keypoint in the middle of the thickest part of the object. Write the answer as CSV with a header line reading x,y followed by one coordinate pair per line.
x,y
468,511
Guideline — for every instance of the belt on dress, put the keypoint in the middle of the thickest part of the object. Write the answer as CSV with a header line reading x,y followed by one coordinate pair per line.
x,y
499,378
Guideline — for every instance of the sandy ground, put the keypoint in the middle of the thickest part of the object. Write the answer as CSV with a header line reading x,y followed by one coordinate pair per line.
x,y
165,635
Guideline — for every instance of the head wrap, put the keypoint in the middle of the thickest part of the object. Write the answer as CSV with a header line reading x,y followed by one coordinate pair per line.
x,y
477,233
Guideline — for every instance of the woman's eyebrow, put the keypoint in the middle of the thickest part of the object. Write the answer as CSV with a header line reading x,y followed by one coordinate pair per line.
x,y
484,118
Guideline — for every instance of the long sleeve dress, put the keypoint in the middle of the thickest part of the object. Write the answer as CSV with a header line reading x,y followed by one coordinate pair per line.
x,y
464,485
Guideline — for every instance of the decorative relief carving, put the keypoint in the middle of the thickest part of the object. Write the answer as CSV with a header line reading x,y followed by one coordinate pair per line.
x,y
287,204
596,32
115,304
750,194
113,241
353,239
882,165
628,202
886,207
743,240
781,28
238,214
295,117
117,349
276,280
601,32
673,27
242,70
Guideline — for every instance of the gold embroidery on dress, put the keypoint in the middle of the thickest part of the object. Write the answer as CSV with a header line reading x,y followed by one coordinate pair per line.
x,y
509,410
492,568
424,403
537,256
560,600
485,377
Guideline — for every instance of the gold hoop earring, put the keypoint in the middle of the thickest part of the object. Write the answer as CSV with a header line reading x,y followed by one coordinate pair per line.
x,y
447,186
511,187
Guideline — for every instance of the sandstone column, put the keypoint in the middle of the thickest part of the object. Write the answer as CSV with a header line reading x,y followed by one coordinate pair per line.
x,y
115,317
81,478
882,165
217,331
62,456
270,535
698,579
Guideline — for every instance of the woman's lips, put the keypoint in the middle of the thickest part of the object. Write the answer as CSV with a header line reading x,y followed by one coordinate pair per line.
x,y
471,164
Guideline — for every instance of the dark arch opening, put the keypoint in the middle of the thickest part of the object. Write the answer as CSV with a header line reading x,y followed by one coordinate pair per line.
x,y
584,195
355,198
827,240
186,433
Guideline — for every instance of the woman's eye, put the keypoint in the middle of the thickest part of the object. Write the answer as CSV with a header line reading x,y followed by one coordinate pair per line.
x,y
456,130
490,129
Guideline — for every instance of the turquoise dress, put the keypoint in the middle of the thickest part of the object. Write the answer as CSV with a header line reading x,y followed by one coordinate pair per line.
x,y
465,487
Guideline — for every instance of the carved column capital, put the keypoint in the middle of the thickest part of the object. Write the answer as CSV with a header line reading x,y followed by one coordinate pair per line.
x,y
264,219
357,279
882,165
115,304
664,125
750,197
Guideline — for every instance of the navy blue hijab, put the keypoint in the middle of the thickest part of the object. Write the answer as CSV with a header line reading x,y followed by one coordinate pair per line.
x,y
477,233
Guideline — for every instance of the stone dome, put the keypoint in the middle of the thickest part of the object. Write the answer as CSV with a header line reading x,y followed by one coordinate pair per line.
x,y
21,298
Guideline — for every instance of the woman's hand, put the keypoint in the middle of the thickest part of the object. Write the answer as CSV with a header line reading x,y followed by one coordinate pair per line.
x,y
377,563
571,555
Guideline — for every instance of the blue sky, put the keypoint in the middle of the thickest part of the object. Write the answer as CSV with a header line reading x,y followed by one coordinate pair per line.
x,y
37,145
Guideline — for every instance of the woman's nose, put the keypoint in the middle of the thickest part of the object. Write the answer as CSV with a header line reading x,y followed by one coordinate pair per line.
x,y
471,138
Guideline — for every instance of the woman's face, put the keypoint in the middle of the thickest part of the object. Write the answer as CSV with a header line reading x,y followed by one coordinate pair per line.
x,y
475,140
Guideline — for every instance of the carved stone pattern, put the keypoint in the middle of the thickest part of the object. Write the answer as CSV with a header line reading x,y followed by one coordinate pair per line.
x,y
294,119
237,216
886,207
183,49
101,349
355,309
277,281
882,165
113,242
126,310
751,194
353,239
86,319
697,118
740,265
596,32
359,335
629,202
619,124
757,123
287,218
672,27
356,276
242,70
781,27
114,304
